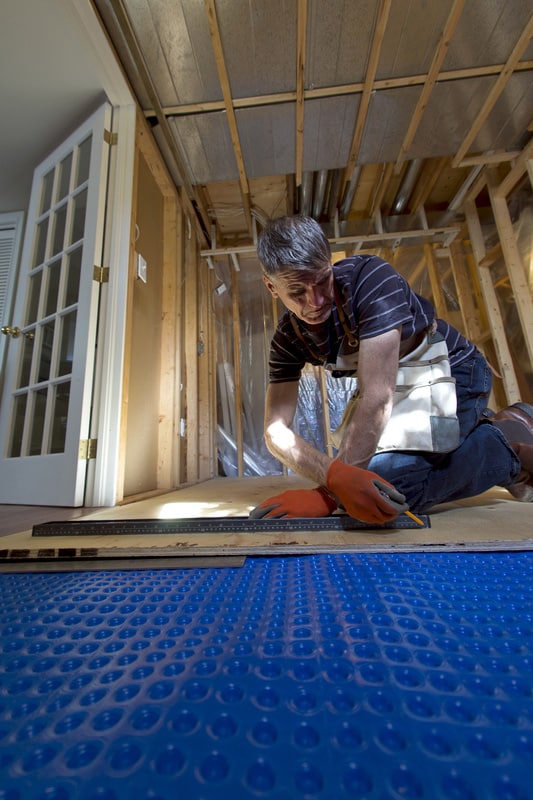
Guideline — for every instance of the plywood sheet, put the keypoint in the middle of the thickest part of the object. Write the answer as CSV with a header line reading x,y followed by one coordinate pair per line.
x,y
492,521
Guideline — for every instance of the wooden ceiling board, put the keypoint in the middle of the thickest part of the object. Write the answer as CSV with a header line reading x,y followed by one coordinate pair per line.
x,y
449,183
369,180
269,195
224,204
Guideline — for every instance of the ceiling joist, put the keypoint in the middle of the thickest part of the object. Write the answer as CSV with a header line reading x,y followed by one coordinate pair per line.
x,y
431,79
300,83
228,107
323,92
373,60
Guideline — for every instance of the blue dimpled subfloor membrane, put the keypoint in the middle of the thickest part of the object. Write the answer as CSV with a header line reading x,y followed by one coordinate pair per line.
x,y
329,676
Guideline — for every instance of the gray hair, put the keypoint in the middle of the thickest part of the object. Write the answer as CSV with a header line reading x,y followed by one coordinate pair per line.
x,y
295,242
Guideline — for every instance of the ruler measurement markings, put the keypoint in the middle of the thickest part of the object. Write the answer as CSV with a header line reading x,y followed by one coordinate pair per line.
x,y
214,525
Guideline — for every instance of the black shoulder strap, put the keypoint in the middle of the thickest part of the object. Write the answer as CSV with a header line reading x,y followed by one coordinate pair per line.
x,y
352,340
296,328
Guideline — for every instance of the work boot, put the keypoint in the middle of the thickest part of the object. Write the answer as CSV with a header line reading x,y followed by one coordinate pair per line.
x,y
516,424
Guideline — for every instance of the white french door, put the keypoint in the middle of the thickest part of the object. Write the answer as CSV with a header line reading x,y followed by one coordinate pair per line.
x,y
45,410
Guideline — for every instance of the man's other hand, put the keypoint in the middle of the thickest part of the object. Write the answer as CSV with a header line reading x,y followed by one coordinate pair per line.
x,y
364,494
296,503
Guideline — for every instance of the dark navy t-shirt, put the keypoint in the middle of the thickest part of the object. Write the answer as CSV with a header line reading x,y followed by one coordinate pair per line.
x,y
375,299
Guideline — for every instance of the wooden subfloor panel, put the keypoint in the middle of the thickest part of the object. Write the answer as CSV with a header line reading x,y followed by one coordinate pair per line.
x,y
492,521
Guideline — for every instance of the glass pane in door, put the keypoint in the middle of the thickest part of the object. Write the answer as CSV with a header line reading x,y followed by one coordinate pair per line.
x,y
46,191
34,297
64,177
39,398
84,161
39,249
73,269
26,360
54,274
60,417
66,352
17,431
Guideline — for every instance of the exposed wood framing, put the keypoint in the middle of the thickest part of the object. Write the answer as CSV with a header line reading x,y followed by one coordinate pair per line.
x,y
178,460
172,338
300,78
497,328
426,184
496,91
188,109
326,422
439,300
490,158
167,439
469,312
229,108
368,86
431,79
377,199
212,388
205,348
191,359
516,173
237,395
126,374
143,71
514,264
436,234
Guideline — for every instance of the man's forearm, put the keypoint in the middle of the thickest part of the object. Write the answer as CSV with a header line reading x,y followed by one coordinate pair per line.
x,y
362,434
297,454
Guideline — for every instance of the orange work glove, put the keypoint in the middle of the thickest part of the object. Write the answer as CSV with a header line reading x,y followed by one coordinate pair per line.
x,y
363,493
296,503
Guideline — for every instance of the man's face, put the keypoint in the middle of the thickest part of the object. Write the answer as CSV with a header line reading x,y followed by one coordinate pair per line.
x,y
309,295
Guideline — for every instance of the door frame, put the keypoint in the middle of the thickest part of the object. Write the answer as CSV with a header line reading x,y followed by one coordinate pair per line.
x,y
102,487
103,474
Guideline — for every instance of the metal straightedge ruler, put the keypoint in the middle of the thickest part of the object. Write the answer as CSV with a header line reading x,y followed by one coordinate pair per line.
x,y
103,527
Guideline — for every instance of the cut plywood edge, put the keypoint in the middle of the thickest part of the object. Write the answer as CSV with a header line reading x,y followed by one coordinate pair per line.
x,y
492,521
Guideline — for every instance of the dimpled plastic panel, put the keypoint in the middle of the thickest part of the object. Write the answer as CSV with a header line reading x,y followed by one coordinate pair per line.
x,y
330,676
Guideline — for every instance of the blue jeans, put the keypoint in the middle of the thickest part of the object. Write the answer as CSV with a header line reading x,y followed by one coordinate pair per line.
x,y
483,459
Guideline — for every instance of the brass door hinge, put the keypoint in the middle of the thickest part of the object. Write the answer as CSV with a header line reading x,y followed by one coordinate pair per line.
x,y
110,138
101,274
87,449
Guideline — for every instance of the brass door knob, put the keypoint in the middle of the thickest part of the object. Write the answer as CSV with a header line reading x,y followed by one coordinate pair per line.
x,y
16,332
13,332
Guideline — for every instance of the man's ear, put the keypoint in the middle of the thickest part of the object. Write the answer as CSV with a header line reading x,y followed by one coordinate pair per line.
x,y
270,286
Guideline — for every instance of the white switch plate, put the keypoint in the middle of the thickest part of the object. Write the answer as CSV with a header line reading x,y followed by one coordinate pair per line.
x,y
141,267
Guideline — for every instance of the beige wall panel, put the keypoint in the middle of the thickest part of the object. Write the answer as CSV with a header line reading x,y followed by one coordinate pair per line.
x,y
141,453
